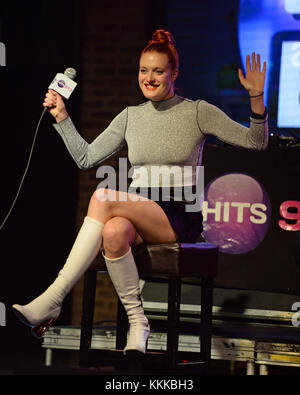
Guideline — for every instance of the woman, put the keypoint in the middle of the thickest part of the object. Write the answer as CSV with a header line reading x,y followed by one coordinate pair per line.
x,y
165,130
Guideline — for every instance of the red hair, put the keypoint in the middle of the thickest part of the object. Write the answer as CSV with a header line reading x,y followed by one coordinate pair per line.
x,y
163,42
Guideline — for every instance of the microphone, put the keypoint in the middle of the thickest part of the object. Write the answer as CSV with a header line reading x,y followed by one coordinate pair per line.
x,y
63,83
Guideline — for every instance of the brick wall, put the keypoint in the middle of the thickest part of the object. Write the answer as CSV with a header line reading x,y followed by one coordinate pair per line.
x,y
113,35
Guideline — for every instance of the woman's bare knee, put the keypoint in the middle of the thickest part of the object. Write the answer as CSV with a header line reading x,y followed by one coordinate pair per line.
x,y
118,235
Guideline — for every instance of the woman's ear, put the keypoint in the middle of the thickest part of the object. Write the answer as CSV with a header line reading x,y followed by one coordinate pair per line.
x,y
175,74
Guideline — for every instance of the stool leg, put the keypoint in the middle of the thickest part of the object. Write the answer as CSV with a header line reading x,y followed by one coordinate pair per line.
x,y
174,294
206,318
88,304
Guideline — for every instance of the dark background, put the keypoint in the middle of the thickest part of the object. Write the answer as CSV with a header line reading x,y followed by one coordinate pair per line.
x,y
45,38
37,236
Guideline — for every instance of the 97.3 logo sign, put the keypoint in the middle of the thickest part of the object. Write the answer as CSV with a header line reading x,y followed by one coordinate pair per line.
x,y
2,54
296,316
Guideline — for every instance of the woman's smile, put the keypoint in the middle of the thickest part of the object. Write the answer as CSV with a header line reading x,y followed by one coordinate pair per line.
x,y
151,87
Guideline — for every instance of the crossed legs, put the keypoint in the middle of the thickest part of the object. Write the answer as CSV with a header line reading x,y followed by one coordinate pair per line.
x,y
117,222
129,223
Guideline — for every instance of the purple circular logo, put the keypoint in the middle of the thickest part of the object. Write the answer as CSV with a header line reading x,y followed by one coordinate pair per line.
x,y
61,83
236,213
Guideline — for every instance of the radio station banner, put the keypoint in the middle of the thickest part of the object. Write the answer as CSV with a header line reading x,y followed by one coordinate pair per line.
x,y
251,210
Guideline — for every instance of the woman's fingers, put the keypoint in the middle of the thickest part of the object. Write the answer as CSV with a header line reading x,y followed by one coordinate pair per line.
x,y
50,99
55,105
248,64
241,75
253,61
258,62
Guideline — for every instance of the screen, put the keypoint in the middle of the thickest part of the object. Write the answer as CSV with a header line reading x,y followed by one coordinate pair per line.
x,y
289,86
272,28
292,6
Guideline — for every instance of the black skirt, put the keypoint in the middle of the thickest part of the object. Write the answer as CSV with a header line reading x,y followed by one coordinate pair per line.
x,y
186,224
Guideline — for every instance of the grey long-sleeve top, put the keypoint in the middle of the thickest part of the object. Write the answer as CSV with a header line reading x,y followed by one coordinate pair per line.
x,y
171,132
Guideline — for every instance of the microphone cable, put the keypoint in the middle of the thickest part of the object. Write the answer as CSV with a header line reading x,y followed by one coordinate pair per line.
x,y
26,169
63,84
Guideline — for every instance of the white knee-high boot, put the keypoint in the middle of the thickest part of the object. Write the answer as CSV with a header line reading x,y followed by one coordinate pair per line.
x,y
47,306
125,278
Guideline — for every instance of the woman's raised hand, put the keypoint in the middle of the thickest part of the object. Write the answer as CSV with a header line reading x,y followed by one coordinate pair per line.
x,y
254,81
56,105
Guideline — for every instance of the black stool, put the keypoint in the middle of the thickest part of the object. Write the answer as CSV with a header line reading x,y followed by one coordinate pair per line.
x,y
162,262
